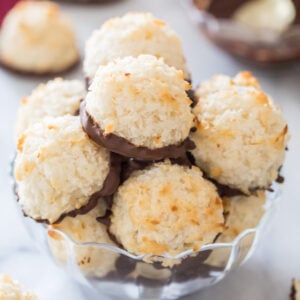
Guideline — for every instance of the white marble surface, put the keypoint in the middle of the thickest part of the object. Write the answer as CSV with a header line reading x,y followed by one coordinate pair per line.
x,y
268,273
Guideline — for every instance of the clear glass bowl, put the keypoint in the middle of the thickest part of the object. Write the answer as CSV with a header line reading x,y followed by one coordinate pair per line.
x,y
263,46
126,276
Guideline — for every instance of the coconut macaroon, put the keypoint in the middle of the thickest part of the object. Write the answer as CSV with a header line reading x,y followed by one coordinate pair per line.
x,y
241,137
60,171
36,37
221,81
166,209
132,35
57,97
92,260
13,290
241,213
134,108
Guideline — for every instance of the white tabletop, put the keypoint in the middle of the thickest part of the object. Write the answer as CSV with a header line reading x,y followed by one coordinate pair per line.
x,y
268,273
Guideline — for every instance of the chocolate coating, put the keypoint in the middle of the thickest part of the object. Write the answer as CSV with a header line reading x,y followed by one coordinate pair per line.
x,y
130,165
122,146
191,93
223,190
226,191
125,265
112,181
38,75
106,221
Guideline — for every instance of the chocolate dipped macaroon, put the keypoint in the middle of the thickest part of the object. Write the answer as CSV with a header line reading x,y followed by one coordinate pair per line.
x,y
241,134
55,98
166,209
132,35
138,107
37,38
59,171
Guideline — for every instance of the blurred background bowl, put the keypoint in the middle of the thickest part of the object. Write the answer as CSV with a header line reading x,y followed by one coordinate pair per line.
x,y
259,45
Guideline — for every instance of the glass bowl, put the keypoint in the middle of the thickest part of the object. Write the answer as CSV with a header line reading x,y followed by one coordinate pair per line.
x,y
263,46
118,273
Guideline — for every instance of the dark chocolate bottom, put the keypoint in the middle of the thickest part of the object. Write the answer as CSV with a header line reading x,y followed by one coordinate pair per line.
x,y
38,75
131,165
191,93
122,146
227,191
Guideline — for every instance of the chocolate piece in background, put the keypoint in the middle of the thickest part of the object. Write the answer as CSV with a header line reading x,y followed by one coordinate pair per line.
x,y
123,147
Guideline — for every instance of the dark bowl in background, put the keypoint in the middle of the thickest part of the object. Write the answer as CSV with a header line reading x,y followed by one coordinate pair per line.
x,y
262,46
